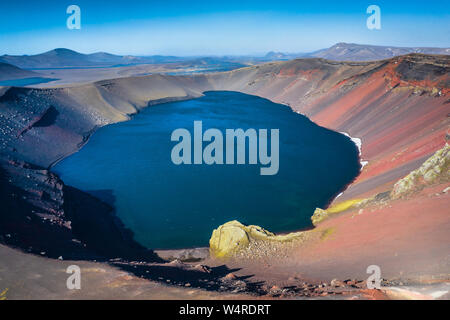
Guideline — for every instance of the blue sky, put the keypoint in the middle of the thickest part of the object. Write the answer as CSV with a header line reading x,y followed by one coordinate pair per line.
x,y
230,27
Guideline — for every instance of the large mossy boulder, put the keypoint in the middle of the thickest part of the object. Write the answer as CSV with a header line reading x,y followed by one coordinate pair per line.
x,y
318,216
228,238
232,237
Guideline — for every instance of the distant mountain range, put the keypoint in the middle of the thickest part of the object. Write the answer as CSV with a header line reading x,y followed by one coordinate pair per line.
x,y
65,58
356,52
360,52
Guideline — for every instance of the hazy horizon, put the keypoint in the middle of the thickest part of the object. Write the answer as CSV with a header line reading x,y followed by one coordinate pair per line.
x,y
259,54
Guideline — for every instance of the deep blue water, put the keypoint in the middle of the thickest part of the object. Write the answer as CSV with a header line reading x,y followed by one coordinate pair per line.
x,y
25,81
129,165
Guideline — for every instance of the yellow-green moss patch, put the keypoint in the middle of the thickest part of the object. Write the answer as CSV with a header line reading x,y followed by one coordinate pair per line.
x,y
326,233
435,169
322,214
3,294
